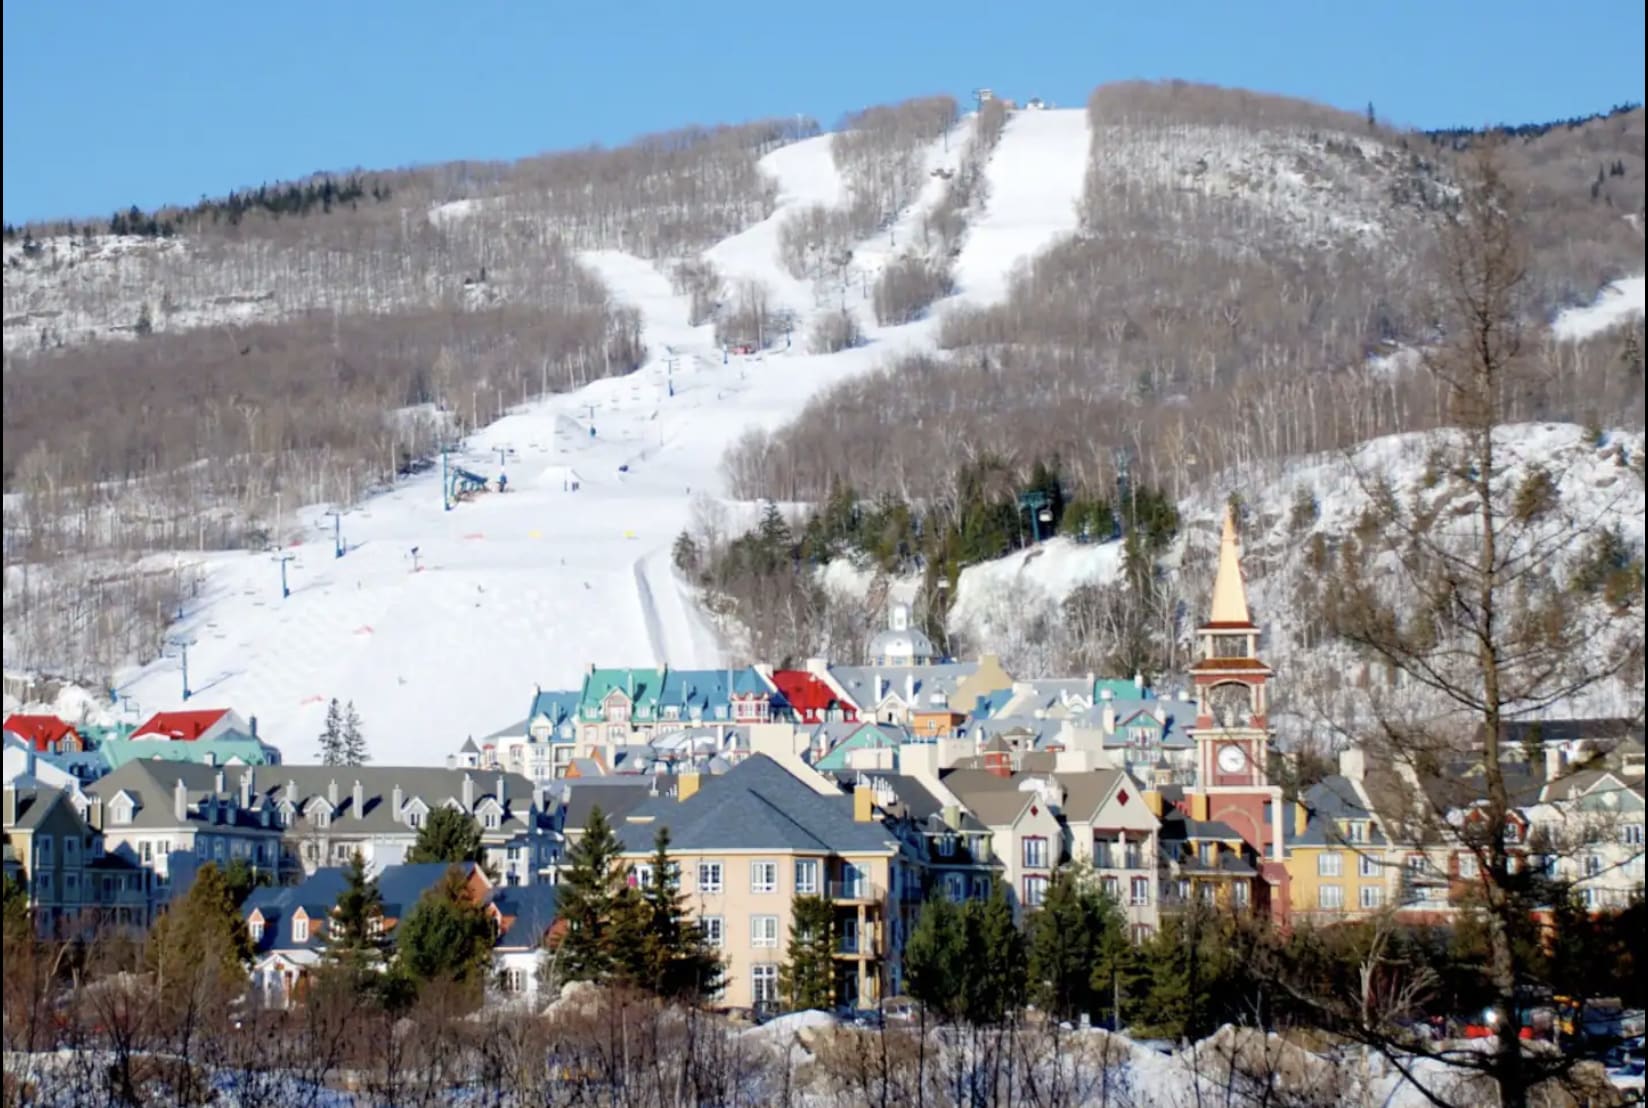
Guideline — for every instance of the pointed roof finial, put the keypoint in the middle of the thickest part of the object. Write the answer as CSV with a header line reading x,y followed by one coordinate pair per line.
x,y
1229,594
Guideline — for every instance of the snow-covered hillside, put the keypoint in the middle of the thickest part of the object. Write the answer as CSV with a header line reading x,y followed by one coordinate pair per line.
x,y
510,591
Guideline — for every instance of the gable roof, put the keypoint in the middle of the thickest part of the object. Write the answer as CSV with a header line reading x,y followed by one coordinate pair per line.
x,y
996,801
640,686
185,726
807,692
557,707
756,805
859,681
528,911
35,802
40,731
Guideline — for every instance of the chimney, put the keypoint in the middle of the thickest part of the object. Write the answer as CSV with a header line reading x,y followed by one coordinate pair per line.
x,y
1106,694
357,801
95,813
1554,762
952,816
246,787
291,790
863,804
252,723
395,799
468,793
879,687
332,793
1353,763
1138,681
11,805
180,801
686,786
217,784
502,796
1108,719
910,689
1301,818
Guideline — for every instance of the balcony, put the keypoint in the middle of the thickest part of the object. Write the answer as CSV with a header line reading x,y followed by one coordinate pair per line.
x,y
856,946
855,892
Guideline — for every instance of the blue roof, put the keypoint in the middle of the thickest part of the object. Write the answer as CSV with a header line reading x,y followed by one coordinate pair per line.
x,y
316,895
558,706
403,886
533,908
708,693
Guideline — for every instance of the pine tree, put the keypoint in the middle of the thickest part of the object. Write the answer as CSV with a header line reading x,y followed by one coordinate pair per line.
x,y
447,935
354,933
331,736
807,978
935,957
671,958
1067,935
448,835
353,742
594,900
995,983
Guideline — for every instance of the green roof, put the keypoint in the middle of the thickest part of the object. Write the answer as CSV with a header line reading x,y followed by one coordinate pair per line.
x,y
250,751
640,686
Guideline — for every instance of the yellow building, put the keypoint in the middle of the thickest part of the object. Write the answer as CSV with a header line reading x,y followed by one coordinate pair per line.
x,y
749,842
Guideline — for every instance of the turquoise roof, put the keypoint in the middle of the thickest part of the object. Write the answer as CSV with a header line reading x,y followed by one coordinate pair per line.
x,y
558,707
709,692
870,736
250,751
641,686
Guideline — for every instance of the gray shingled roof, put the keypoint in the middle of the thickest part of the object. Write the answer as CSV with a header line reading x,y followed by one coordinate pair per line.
x,y
859,681
757,805
152,784
34,803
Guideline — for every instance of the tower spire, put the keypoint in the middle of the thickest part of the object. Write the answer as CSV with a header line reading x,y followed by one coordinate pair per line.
x,y
1229,594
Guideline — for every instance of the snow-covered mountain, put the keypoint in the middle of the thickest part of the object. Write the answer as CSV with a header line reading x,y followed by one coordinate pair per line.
x,y
438,623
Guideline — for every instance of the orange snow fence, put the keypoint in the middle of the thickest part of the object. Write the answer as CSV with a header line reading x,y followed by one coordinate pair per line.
x,y
475,535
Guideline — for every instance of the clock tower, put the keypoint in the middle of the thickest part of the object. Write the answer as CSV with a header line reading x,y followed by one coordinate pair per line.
x,y
1232,731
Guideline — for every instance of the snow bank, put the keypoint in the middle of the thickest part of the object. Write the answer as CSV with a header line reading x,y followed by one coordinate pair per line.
x,y
1618,302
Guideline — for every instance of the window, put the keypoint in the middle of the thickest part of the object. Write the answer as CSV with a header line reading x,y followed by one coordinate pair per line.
x,y
1139,891
71,850
1329,864
806,876
641,875
1593,865
1035,853
714,930
1372,897
254,928
763,877
763,930
709,878
414,818
1111,887
1368,866
764,984
515,980
71,886
1467,867
1035,891
946,845
121,810
323,818
981,888
300,929
43,850
1356,831
491,819
1330,898
1239,894
1631,834
955,887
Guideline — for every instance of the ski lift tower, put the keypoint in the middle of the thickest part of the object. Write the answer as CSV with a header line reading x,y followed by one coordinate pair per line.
x,y
284,557
337,531
1040,507
182,643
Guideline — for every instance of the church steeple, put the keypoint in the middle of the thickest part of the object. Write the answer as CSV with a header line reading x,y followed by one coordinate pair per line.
x,y
1229,593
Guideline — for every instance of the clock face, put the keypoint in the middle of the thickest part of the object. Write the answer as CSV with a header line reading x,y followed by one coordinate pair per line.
x,y
1231,704
1231,758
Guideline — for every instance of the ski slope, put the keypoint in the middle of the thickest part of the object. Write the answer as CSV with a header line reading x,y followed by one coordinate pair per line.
x,y
1619,302
1035,180
526,588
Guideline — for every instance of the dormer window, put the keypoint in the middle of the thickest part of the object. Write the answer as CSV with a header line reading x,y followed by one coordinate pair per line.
x,y
121,809
254,928
491,820
414,818
300,929
323,818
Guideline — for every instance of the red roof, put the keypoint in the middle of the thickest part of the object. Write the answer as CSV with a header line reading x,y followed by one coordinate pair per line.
x,y
40,731
187,726
805,692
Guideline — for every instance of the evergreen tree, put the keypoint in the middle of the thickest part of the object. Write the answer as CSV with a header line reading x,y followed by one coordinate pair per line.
x,y
807,978
671,958
685,553
448,835
596,903
198,950
994,980
240,879
354,933
331,736
353,742
447,936
1067,936
935,958
16,911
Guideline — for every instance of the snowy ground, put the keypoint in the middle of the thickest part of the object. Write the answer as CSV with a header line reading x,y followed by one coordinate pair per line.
x,y
1619,302
527,588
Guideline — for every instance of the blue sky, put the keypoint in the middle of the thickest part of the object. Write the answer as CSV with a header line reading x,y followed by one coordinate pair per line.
x,y
108,105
